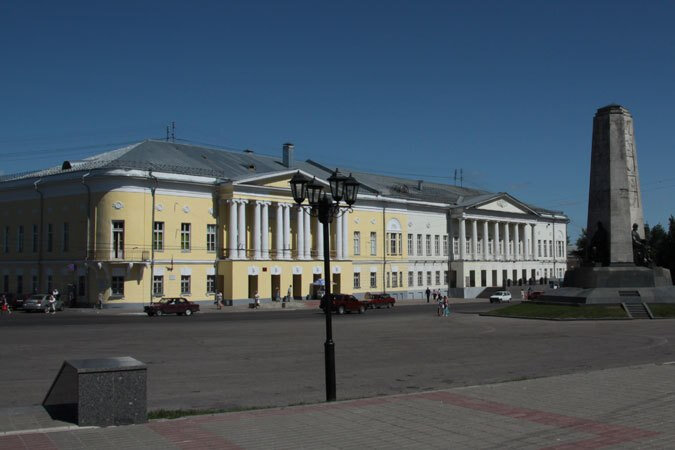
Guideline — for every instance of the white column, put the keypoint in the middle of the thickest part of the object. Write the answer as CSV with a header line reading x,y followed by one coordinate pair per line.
x,y
516,238
507,239
300,233
486,238
496,239
533,243
265,231
287,231
308,231
279,232
338,237
474,239
256,230
462,239
232,252
241,242
345,235
319,239
526,242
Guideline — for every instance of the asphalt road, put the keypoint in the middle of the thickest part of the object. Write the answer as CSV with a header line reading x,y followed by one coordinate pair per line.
x,y
274,358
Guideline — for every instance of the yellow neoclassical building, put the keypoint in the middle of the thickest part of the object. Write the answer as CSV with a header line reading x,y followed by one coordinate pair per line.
x,y
160,219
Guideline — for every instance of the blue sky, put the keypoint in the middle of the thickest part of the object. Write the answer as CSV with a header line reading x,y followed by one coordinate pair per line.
x,y
506,91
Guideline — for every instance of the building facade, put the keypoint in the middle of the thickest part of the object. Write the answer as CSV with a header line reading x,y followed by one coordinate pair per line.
x,y
164,219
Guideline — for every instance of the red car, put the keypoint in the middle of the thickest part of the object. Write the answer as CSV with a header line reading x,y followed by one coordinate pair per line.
x,y
379,300
175,305
345,303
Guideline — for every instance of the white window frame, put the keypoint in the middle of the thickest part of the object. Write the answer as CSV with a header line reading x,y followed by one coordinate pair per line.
x,y
357,243
158,285
183,280
211,232
158,236
117,243
185,237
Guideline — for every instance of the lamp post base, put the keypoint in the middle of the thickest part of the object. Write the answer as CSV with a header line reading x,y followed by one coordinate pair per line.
x,y
329,351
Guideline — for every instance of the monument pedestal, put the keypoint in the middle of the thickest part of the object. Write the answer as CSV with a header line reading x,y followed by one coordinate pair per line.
x,y
615,284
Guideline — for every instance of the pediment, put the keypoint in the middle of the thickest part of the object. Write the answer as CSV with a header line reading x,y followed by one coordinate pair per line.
x,y
274,179
504,205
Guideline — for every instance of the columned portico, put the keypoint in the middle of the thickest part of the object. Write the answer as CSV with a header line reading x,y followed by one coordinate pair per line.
x,y
497,254
232,231
507,242
300,232
474,239
241,232
338,237
265,230
307,232
318,235
256,230
516,243
279,232
486,239
345,235
462,239
287,230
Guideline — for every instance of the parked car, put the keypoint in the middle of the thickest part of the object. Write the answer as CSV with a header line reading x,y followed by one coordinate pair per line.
x,y
345,303
40,302
533,295
379,300
500,296
172,305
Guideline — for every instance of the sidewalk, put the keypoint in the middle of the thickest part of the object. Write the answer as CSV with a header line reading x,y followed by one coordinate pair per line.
x,y
631,407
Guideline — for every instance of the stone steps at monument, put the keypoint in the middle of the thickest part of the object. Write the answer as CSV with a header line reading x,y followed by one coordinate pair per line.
x,y
637,310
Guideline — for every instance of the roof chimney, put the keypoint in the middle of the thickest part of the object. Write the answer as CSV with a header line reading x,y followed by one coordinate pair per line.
x,y
288,154
419,184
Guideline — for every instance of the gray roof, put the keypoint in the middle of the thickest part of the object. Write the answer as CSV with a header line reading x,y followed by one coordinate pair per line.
x,y
188,159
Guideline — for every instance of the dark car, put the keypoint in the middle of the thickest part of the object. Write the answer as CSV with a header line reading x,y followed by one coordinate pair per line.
x,y
380,300
345,303
533,295
172,305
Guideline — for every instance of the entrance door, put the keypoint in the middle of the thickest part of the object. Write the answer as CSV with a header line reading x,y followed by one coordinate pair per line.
x,y
337,284
252,285
276,287
297,287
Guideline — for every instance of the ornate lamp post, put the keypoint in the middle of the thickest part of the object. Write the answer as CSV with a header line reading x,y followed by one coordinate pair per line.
x,y
325,208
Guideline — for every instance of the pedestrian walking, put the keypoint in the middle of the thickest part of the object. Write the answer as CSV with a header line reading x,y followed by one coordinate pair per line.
x,y
428,293
446,306
55,293
277,294
100,300
219,300
439,310
52,304
256,300
4,305
522,294
290,293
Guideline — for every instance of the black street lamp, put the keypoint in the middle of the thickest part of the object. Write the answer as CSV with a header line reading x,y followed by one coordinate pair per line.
x,y
325,208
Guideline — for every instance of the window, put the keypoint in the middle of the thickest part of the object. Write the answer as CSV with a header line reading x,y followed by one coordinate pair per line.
x,y
118,240
184,237
357,243
50,237
388,280
158,236
19,239
539,248
158,285
445,277
50,283
438,277
428,278
35,238
410,244
428,245
19,284
445,245
373,279
411,279
490,246
419,245
420,279
479,246
210,284
455,246
357,280
185,284
394,240
550,248
211,238
117,286
545,249
437,245
394,279
66,237
34,284
6,243
373,243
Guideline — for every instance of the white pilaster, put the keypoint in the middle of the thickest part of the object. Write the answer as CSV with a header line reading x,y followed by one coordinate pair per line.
x,y
319,239
265,231
345,235
287,231
300,233
256,230
486,238
279,232
507,241
338,237
497,255
232,252
308,231
241,242
462,238
474,239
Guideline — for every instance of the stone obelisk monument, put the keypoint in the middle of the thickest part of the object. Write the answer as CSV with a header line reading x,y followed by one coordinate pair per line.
x,y
616,268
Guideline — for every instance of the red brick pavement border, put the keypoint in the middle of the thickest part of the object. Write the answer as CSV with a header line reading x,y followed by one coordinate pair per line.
x,y
33,441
